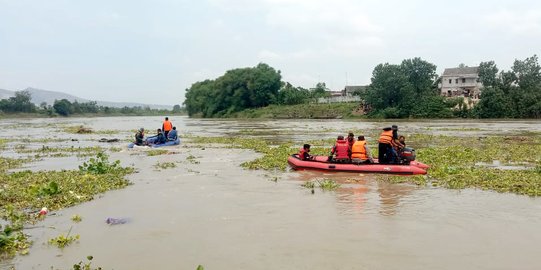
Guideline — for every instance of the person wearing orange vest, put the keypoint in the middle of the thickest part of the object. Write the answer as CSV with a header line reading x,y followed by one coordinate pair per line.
x,y
385,146
340,151
360,153
304,153
167,126
388,141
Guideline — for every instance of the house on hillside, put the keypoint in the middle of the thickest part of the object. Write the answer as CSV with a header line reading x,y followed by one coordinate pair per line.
x,y
352,90
461,82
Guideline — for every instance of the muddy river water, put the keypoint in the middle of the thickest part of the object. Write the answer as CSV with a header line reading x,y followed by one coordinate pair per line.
x,y
216,214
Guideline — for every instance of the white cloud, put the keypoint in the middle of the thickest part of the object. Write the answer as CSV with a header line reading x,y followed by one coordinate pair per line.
x,y
515,22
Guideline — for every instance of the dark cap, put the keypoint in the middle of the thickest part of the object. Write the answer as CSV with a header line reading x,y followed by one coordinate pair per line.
x,y
394,127
361,138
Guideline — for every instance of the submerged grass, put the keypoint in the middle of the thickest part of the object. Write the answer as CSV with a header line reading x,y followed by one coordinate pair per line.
x,y
156,152
46,151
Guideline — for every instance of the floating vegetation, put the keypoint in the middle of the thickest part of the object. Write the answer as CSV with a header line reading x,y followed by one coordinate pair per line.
x,y
115,149
62,241
165,165
328,184
324,184
452,159
453,163
76,218
106,131
44,140
99,165
24,193
309,184
9,163
156,152
77,129
46,151
192,159
85,265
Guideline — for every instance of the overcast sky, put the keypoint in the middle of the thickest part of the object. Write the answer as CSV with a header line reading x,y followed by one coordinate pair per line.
x,y
151,51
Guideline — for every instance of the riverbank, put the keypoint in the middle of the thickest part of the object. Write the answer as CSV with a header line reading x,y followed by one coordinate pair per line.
x,y
303,111
85,115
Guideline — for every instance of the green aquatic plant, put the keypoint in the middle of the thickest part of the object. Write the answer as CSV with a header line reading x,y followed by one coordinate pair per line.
x,y
165,165
454,163
47,189
23,193
309,184
99,165
156,152
328,184
76,218
77,129
106,131
85,265
115,149
62,241
12,241
192,159
47,151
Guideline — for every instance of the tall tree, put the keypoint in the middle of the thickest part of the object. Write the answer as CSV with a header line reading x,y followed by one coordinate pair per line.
x,y
488,74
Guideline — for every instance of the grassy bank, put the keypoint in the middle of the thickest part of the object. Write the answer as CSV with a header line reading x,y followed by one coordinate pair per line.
x,y
456,163
302,111
23,194
44,115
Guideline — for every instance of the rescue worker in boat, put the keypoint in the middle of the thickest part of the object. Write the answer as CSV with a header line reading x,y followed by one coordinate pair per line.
x,y
160,137
402,141
398,146
388,141
172,136
386,144
167,126
139,137
304,153
360,153
351,141
340,151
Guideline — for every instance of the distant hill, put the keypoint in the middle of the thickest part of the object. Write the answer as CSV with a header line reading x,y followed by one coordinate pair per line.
x,y
39,96
5,94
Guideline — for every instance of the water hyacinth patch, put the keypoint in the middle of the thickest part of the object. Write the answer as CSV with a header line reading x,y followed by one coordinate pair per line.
x,y
25,192
453,160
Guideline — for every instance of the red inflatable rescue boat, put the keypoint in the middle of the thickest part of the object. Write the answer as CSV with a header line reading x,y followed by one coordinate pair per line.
x,y
321,163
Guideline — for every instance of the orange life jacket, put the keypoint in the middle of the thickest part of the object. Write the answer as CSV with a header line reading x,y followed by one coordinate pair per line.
x,y
359,151
341,149
167,125
386,137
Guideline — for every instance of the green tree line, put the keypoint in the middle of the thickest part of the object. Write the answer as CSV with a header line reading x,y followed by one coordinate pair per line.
x,y
410,89
406,90
245,88
21,103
